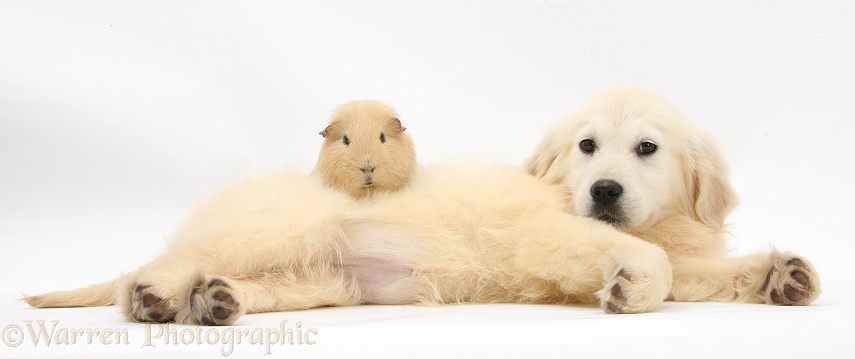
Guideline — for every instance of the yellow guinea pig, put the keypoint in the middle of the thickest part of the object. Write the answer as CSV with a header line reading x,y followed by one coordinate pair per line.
x,y
365,150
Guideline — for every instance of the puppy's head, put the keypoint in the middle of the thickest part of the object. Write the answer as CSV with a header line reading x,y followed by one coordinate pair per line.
x,y
631,159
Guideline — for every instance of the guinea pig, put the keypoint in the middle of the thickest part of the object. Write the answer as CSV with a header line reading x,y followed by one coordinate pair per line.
x,y
365,150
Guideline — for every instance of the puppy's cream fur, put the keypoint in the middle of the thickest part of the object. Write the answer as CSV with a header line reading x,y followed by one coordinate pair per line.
x,y
365,150
458,233
677,197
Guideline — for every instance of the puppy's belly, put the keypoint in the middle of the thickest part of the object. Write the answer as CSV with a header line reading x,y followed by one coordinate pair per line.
x,y
380,258
382,281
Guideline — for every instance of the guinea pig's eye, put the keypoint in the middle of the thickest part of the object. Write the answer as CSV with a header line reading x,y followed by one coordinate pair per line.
x,y
646,148
382,137
587,145
345,140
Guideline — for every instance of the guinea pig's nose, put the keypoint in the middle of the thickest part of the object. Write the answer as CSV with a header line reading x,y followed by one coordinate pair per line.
x,y
367,169
606,191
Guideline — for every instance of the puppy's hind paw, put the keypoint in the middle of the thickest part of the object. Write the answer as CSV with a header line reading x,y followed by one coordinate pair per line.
x,y
212,301
149,306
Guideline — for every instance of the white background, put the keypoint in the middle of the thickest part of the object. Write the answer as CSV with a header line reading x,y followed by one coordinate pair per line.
x,y
116,117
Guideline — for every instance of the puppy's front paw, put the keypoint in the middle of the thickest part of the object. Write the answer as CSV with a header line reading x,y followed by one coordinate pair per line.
x,y
147,305
612,297
627,292
212,301
790,281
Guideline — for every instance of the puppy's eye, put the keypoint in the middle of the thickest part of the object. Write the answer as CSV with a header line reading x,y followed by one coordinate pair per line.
x,y
382,137
345,140
646,148
587,145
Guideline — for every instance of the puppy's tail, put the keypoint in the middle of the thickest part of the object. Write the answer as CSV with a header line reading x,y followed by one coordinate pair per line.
x,y
96,295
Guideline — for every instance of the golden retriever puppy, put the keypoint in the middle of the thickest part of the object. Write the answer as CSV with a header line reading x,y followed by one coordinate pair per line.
x,y
631,159
458,233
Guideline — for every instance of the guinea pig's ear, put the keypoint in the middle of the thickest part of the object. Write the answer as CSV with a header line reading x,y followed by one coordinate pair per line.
x,y
711,191
396,124
326,131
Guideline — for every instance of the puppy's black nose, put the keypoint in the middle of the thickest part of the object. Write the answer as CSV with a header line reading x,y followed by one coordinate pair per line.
x,y
606,191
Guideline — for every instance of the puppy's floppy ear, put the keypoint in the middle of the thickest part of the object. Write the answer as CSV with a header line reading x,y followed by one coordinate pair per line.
x,y
712,193
545,162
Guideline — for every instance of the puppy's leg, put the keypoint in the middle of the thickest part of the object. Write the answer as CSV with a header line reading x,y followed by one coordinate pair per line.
x,y
218,300
180,292
592,260
775,278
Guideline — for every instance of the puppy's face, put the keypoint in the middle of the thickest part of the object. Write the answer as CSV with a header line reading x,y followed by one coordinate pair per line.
x,y
630,159
624,168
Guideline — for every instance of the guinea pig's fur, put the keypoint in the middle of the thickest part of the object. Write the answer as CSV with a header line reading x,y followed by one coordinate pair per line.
x,y
365,150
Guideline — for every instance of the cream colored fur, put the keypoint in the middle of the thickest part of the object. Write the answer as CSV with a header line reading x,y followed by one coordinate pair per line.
x,y
365,150
458,233
678,197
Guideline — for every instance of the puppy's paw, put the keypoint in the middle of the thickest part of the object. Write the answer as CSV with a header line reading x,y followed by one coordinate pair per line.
x,y
627,292
612,297
212,301
790,281
147,304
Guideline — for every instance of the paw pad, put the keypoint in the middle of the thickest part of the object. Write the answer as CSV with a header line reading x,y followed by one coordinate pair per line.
x,y
793,283
149,307
212,302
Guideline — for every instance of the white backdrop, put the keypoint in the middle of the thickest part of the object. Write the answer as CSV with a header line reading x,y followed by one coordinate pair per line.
x,y
116,117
